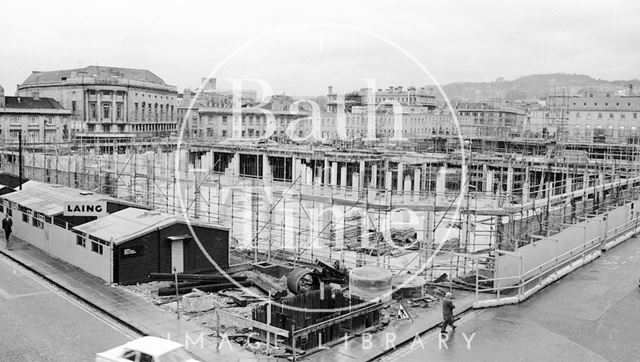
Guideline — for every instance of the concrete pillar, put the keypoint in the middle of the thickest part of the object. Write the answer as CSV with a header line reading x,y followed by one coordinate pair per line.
x,y
400,176
416,180
388,181
484,172
407,183
374,176
326,173
509,181
361,174
334,174
309,178
525,186
568,184
585,180
295,167
441,181
343,176
355,181
235,164
488,188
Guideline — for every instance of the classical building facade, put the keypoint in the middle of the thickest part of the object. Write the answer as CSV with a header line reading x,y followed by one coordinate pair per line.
x,y
40,120
597,117
492,120
412,96
108,103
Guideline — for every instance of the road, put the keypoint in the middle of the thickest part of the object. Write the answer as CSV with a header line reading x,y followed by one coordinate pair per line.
x,y
38,322
593,314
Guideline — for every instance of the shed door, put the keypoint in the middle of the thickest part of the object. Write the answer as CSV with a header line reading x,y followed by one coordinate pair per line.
x,y
177,256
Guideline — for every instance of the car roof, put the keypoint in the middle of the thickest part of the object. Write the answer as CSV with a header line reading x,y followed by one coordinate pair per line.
x,y
153,346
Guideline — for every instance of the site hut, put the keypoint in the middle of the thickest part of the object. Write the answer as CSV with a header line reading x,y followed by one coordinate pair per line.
x,y
41,217
144,242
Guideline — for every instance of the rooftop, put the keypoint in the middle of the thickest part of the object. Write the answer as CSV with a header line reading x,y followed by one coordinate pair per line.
x,y
126,224
31,103
49,199
57,76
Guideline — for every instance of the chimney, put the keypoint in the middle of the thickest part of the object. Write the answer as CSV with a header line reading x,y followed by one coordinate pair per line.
x,y
1,97
35,95
330,89
630,89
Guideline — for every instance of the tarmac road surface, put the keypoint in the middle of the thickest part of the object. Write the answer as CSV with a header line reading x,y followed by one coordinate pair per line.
x,y
593,314
38,322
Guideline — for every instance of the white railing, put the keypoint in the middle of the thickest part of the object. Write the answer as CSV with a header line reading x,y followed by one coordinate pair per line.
x,y
531,281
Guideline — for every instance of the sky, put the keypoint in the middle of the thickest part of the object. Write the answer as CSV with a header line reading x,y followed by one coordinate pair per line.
x,y
301,47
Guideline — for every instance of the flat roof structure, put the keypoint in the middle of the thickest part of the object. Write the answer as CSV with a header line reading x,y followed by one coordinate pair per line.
x,y
126,224
50,199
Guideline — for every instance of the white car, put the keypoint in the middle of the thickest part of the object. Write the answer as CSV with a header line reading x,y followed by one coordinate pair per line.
x,y
147,349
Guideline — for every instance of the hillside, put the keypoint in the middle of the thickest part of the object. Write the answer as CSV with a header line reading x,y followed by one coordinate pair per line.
x,y
535,86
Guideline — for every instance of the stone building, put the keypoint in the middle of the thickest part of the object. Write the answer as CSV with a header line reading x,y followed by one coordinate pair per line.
x,y
41,120
109,104
597,117
492,120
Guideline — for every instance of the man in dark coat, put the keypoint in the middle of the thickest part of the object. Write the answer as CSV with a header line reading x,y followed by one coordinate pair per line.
x,y
6,226
447,313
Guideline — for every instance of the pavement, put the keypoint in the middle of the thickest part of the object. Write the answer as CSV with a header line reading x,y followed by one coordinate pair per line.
x,y
138,314
370,346
589,315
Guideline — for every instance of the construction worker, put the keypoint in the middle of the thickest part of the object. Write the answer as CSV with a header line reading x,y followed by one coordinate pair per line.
x,y
447,313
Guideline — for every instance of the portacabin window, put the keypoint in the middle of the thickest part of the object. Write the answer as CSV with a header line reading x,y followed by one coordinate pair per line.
x,y
96,247
80,240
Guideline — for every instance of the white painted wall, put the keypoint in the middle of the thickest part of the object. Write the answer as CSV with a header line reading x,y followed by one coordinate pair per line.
x,y
61,243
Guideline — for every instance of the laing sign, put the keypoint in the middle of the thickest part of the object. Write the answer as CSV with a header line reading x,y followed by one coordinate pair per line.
x,y
85,208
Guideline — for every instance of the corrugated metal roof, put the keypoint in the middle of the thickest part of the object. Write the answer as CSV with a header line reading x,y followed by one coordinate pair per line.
x,y
49,199
126,224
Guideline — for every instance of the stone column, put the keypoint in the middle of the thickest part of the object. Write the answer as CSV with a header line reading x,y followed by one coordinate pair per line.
x,y
400,176
361,173
113,106
99,106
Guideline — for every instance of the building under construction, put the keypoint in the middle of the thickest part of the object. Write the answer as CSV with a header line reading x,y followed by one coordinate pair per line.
x,y
454,211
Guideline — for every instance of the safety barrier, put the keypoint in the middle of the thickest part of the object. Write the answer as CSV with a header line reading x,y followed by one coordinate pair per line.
x,y
519,287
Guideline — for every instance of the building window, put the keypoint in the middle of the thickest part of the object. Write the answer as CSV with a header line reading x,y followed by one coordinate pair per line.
x,y
25,218
80,240
96,247
92,110
73,107
106,110
136,110
119,111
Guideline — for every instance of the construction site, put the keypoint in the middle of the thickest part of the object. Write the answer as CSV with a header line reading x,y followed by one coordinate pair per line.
x,y
422,213
496,219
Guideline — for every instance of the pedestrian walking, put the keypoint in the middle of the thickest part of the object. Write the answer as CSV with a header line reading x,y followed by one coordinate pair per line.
x,y
7,223
447,313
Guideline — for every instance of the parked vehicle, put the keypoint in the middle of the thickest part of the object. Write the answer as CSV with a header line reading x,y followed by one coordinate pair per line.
x,y
147,349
